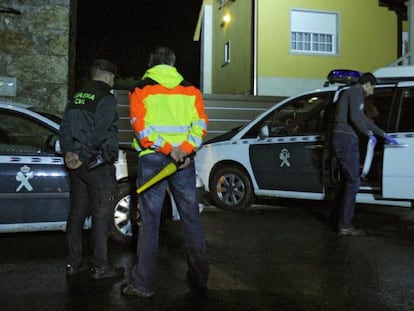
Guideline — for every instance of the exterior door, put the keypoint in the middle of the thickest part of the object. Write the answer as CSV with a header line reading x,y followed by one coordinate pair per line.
x,y
33,180
288,164
290,158
33,189
398,168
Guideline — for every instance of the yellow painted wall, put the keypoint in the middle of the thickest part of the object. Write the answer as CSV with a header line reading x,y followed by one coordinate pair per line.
x,y
367,38
236,77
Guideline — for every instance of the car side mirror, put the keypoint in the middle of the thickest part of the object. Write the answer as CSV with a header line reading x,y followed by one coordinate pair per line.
x,y
264,132
58,150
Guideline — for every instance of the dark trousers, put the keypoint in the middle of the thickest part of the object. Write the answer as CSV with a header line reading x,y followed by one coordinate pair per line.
x,y
92,192
183,187
346,148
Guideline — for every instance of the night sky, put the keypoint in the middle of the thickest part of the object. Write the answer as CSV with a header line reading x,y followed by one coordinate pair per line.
x,y
126,32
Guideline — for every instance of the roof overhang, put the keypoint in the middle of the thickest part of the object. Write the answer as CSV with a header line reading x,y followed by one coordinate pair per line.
x,y
398,6
197,31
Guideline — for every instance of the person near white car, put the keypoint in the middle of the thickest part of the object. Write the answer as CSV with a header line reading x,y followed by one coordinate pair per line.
x,y
89,143
168,118
350,121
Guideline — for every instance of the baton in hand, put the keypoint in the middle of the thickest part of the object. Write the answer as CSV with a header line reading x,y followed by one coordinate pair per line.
x,y
165,172
168,170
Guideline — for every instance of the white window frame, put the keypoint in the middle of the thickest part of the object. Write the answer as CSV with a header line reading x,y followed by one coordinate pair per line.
x,y
314,32
226,53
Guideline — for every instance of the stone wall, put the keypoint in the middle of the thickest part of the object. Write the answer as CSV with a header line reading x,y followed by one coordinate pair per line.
x,y
34,48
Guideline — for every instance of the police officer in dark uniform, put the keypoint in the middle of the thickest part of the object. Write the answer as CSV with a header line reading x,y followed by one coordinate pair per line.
x,y
89,142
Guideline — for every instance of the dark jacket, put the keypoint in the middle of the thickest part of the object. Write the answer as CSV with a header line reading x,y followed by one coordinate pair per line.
x,y
350,117
89,124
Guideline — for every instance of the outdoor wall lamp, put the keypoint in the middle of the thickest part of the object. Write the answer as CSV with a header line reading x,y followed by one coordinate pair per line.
x,y
226,19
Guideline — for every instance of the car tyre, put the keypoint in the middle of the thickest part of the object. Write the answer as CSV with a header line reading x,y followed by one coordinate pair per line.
x,y
231,188
124,224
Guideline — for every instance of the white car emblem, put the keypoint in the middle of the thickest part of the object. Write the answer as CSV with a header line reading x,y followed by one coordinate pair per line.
x,y
284,156
23,176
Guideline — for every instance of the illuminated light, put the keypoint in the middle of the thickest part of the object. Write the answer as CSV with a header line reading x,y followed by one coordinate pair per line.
x,y
343,76
226,19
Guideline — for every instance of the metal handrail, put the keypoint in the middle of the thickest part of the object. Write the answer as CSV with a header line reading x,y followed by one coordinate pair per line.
x,y
402,61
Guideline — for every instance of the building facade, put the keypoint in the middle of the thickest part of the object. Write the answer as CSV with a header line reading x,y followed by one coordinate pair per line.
x,y
280,48
35,52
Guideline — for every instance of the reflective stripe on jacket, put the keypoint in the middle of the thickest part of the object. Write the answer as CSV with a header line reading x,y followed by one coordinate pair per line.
x,y
167,112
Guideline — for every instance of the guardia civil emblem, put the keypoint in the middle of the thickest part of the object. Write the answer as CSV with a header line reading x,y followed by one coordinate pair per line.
x,y
24,176
284,156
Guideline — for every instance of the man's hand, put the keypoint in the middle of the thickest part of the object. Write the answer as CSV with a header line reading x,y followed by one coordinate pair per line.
x,y
180,158
390,140
184,164
72,160
178,155
373,139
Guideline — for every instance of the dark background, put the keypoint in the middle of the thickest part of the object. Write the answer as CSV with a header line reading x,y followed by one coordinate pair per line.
x,y
126,31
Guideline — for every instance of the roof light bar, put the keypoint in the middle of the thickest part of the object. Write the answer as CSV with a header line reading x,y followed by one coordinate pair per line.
x,y
343,76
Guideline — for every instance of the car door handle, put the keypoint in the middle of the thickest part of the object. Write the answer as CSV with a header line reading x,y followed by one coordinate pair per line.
x,y
313,147
396,146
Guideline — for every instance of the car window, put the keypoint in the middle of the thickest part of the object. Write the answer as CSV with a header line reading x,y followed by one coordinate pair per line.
x,y
378,106
304,115
301,116
405,123
20,134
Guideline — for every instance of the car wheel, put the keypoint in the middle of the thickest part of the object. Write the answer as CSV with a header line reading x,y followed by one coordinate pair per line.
x,y
125,215
231,188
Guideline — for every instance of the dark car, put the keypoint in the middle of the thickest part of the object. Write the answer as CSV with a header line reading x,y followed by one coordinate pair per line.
x,y
34,185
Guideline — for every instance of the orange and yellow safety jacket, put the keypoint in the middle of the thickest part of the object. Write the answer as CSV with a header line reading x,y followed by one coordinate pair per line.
x,y
166,112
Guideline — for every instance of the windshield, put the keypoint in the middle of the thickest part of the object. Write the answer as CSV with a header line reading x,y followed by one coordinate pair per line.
x,y
226,136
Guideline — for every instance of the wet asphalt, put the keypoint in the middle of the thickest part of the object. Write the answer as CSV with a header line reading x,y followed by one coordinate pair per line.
x,y
264,258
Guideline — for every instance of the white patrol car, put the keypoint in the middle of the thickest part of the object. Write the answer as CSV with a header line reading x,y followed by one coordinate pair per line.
x,y
34,186
285,152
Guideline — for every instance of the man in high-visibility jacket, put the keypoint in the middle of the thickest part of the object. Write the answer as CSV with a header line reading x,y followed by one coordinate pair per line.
x,y
168,118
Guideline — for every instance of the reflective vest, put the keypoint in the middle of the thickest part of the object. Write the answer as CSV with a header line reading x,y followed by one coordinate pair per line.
x,y
166,112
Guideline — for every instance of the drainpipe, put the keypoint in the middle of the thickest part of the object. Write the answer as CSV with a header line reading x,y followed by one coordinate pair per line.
x,y
399,34
255,32
410,11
